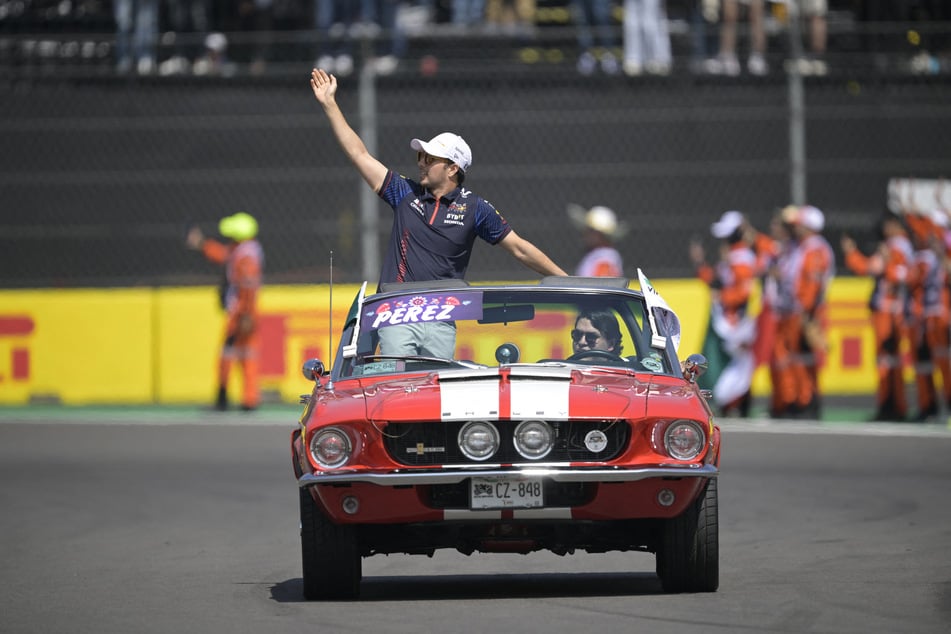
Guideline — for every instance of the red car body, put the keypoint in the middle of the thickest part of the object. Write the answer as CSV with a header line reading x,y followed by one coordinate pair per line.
x,y
411,453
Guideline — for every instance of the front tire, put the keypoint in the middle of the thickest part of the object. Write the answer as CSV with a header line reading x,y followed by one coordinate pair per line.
x,y
688,559
330,556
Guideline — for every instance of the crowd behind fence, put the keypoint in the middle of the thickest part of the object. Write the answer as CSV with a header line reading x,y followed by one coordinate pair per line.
x,y
171,37
104,171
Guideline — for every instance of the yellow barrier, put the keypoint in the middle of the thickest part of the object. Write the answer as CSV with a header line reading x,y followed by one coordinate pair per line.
x,y
161,345
77,346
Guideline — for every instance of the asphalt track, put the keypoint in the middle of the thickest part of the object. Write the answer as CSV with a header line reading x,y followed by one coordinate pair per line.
x,y
128,520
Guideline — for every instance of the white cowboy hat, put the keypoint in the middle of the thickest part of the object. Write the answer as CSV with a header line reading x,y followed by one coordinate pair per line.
x,y
599,218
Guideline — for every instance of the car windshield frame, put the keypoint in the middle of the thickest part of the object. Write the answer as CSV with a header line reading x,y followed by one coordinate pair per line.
x,y
486,318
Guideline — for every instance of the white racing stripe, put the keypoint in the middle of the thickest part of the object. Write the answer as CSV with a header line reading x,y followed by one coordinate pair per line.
x,y
469,400
539,399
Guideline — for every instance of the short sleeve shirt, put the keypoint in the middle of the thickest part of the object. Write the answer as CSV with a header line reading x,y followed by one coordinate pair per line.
x,y
432,239
601,262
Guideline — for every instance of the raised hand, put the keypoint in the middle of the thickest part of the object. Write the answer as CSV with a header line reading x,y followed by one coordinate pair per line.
x,y
323,85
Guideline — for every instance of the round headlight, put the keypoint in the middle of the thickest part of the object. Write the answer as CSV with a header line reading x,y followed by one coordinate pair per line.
x,y
330,448
533,439
479,440
684,440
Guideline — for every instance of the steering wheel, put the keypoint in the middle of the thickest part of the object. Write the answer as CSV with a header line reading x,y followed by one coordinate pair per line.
x,y
599,354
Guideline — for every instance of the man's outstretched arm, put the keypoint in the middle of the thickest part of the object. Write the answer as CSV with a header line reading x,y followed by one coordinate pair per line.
x,y
529,255
325,90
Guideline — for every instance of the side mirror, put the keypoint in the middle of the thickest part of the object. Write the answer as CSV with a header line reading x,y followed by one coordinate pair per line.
x,y
694,367
313,369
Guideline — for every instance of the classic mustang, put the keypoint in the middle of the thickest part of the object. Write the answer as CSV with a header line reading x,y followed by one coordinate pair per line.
x,y
552,416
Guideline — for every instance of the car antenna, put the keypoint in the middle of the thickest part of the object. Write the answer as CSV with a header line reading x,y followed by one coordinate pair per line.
x,y
330,320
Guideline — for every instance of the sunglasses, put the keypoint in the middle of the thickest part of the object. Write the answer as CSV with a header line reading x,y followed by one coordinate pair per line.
x,y
429,159
590,337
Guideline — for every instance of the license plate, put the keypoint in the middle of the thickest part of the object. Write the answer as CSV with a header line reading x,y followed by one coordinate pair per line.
x,y
503,492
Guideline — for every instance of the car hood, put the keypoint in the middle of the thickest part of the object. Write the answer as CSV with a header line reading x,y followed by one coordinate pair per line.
x,y
510,392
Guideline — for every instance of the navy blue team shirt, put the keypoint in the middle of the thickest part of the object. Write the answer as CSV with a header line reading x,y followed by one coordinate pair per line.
x,y
432,239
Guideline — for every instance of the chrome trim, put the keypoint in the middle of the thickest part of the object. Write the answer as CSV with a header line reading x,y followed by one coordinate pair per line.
x,y
690,423
521,449
325,431
418,477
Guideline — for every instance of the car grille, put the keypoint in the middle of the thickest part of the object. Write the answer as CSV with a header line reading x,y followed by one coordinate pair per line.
x,y
435,443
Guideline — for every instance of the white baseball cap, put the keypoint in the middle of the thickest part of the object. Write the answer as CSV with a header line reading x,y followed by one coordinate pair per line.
x,y
812,218
448,146
728,223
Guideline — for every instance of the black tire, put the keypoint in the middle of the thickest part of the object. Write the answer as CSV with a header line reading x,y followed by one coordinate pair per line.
x,y
688,557
330,556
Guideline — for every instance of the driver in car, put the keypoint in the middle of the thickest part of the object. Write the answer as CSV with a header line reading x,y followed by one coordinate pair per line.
x,y
596,330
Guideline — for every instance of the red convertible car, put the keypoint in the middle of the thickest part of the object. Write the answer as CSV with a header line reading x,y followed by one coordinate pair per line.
x,y
551,416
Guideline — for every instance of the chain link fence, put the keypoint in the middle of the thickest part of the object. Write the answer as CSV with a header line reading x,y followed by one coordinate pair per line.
x,y
101,175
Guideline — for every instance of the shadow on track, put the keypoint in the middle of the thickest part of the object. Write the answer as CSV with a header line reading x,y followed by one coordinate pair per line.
x,y
498,586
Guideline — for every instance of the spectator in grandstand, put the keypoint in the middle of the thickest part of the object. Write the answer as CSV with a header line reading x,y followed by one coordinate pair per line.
x,y
333,20
436,219
600,228
468,13
378,17
189,21
243,261
815,12
726,63
257,16
646,38
136,34
704,16
594,24
215,60
512,17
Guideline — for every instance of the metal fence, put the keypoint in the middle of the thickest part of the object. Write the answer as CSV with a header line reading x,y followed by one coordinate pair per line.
x,y
101,175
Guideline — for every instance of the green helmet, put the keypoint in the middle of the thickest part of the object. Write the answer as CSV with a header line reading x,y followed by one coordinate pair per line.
x,y
239,227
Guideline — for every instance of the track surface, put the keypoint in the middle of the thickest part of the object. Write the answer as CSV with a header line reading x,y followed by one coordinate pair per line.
x,y
162,524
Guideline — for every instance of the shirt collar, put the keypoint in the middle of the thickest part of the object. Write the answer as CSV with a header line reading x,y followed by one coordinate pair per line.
x,y
450,197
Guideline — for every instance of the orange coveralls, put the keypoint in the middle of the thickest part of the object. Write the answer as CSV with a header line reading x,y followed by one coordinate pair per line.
x,y
799,348
735,276
929,318
891,268
770,254
767,251
732,281
243,262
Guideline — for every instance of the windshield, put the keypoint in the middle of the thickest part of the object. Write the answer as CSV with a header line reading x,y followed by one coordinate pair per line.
x,y
475,328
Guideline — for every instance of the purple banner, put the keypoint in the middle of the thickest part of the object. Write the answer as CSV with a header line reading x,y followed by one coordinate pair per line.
x,y
422,308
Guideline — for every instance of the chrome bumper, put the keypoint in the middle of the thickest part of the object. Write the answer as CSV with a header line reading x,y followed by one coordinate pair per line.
x,y
456,475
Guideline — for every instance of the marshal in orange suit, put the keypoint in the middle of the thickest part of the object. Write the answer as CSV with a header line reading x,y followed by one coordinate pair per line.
x,y
242,259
